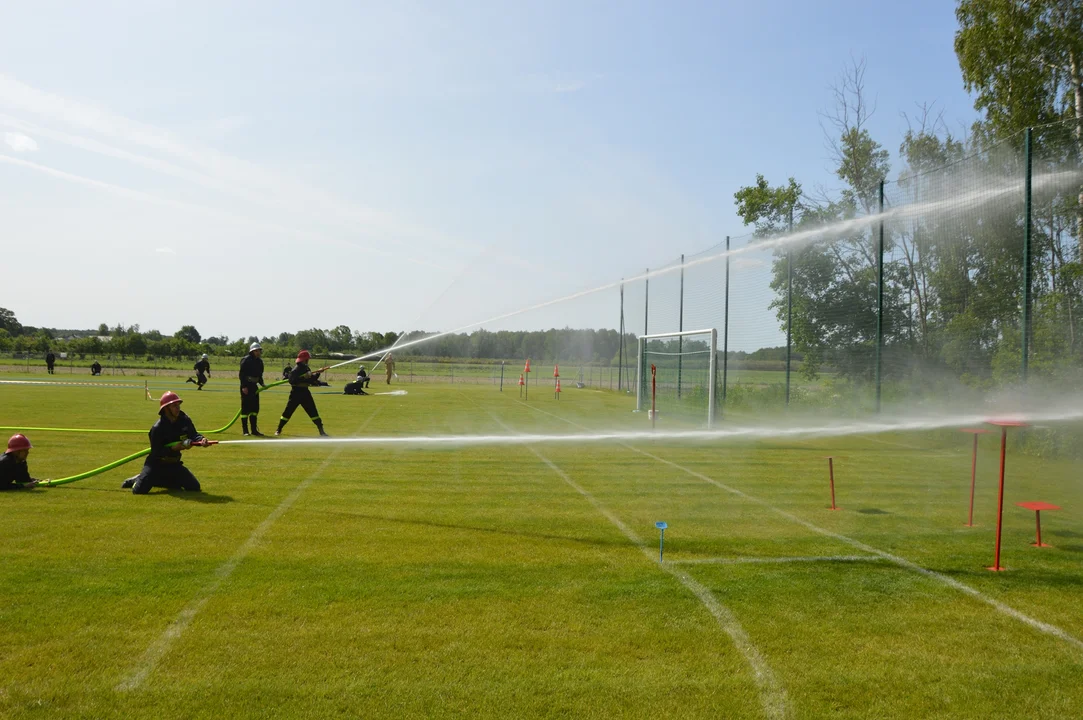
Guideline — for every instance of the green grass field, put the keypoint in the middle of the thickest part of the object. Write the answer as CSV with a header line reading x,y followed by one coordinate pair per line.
x,y
505,581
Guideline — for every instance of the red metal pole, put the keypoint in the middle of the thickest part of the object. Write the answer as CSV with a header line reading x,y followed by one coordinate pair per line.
x,y
831,474
1038,520
1000,498
973,471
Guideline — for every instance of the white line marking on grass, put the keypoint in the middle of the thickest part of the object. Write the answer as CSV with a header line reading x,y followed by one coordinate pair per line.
x,y
157,650
60,382
772,694
900,561
772,560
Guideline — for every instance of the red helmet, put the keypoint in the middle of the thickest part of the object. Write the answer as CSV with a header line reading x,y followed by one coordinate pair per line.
x,y
168,398
18,442
303,356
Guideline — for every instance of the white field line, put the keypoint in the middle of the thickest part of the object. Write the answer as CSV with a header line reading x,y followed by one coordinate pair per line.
x,y
65,382
900,561
157,650
772,560
772,694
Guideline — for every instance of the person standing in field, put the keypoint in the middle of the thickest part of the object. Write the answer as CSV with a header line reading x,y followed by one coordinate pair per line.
x,y
96,368
301,379
14,472
251,375
203,371
173,433
50,361
389,367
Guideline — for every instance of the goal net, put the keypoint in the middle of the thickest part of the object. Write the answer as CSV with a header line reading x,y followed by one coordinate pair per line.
x,y
683,383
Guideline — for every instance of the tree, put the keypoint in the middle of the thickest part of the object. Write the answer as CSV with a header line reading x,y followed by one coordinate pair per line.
x,y
768,208
1024,61
341,338
103,330
137,345
189,333
834,278
9,323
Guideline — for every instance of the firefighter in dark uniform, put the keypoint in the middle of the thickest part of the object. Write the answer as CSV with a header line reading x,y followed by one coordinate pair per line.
x,y
164,466
96,368
50,361
301,379
203,371
14,472
357,386
251,375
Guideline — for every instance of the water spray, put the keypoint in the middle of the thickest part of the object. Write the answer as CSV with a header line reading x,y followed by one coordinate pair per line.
x,y
968,202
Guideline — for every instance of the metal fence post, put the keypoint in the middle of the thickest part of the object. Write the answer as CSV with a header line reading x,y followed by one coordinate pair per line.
x,y
880,299
646,301
789,311
1026,251
680,338
620,351
726,328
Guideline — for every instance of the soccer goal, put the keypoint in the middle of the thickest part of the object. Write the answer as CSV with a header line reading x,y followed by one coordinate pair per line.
x,y
683,381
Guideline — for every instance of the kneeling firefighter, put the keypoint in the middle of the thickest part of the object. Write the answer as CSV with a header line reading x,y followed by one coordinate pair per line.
x,y
173,433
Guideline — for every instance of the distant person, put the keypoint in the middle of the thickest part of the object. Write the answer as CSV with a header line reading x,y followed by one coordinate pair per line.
x,y
251,375
203,371
301,379
164,466
96,368
50,361
357,386
14,472
389,365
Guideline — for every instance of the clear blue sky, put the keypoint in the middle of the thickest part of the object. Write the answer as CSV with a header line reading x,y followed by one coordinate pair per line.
x,y
253,167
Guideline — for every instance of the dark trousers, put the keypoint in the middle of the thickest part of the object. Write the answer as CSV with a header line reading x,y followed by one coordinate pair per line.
x,y
50,368
250,402
303,399
201,379
354,388
173,476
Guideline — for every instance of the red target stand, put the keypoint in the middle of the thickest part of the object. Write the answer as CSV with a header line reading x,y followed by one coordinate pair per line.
x,y
831,479
1037,507
521,385
556,392
973,468
556,381
526,374
1003,425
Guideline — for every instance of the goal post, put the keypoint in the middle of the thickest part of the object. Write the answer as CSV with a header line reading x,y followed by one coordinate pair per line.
x,y
686,363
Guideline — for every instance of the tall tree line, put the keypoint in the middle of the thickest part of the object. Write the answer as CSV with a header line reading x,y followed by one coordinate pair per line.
x,y
953,275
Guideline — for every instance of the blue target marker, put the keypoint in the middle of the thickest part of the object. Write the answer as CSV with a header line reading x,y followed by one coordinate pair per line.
x,y
662,538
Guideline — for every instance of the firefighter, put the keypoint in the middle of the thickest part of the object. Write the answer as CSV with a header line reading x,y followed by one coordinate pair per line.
x,y
164,466
389,366
357,386
301,379
14,472
203,371
50,361
251,374
96,368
